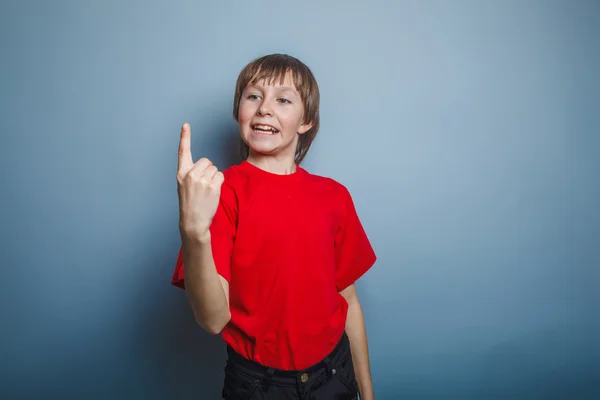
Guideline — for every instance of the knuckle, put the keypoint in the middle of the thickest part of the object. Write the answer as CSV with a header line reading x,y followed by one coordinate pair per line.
x,y
213,185
191,177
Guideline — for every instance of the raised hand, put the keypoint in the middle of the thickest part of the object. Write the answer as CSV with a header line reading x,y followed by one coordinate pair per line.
x,y
198,187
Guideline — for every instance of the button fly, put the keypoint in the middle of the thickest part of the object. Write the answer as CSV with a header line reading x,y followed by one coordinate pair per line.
x,y
304,377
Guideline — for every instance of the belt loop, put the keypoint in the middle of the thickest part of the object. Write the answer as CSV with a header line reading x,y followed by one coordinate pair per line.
x,y
269,377
327,362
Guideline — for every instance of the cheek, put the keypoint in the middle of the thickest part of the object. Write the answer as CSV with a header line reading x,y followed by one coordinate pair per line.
x,y
245,113
291,120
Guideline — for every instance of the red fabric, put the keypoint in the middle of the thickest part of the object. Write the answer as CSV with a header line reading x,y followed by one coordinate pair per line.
x,y
287,244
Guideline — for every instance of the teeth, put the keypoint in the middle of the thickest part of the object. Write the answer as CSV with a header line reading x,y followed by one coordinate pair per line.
x,y
265,128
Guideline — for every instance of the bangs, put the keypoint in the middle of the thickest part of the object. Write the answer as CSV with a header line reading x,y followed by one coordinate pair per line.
x,y
274,69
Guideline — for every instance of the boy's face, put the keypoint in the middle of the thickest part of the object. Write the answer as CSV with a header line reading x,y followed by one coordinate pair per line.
x,y
270,118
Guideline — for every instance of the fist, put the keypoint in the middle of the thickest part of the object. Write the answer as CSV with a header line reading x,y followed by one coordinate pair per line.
x,y
198,188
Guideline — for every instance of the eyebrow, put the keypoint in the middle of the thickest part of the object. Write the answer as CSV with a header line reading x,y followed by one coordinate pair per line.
x,y
279,88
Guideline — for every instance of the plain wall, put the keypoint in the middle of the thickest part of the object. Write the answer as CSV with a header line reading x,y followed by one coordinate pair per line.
x,y
468,133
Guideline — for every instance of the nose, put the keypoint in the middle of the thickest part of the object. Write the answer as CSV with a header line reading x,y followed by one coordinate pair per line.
x,y
264,108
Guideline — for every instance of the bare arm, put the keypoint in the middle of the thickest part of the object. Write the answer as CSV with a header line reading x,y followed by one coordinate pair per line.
x,y
207,291
357,334
199,189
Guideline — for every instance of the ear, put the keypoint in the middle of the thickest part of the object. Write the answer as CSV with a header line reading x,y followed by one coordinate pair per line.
x,y
304,128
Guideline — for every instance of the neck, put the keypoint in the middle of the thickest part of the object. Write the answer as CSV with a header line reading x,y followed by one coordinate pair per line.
x,y
273,164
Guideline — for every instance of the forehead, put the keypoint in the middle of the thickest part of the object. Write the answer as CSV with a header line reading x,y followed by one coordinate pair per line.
x,y
274,79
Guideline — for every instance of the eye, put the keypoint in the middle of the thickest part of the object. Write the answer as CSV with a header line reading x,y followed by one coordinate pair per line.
x,y
285,101
252,97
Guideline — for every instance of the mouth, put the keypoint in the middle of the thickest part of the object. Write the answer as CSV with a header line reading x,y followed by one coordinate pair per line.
x,y
263,129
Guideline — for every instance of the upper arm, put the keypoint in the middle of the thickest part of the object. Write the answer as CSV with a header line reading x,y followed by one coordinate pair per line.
x,y
349,293
353,251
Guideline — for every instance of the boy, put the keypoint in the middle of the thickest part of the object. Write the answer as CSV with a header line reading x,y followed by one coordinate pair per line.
x,y
271,252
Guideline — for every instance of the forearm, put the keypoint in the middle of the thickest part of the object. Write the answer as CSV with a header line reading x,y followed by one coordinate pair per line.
x,y
356,331
203,284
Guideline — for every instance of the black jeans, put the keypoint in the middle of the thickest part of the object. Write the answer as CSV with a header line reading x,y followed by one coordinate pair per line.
x,y
330,379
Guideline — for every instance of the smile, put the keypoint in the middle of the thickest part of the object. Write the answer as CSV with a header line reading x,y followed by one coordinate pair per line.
x,y
264,129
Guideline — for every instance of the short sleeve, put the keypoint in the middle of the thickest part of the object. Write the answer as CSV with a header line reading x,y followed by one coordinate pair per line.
x,y
354,253
222,232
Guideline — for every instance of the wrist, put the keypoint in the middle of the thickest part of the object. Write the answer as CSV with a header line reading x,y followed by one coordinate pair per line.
x,y
200,236
366,396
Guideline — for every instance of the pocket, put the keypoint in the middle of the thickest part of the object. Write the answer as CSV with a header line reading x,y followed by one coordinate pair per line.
x,y
238,386
347,377
344,372
341,385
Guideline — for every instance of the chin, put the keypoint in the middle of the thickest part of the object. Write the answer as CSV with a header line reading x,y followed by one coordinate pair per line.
x,y
260,144
266,150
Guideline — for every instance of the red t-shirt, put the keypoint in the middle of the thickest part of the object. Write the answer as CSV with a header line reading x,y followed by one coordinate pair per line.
x,y
287,245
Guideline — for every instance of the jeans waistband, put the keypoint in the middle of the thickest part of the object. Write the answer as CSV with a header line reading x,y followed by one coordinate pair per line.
x,y
288,377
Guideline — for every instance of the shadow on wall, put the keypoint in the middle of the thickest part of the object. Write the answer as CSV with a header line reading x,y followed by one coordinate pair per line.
x,y
559,362
556,363
186,361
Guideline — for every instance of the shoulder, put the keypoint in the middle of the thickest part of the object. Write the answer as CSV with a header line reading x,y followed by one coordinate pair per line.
x,y
327,185
232,173
234,177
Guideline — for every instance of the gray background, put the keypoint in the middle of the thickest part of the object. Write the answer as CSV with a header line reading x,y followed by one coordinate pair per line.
x,y
467,132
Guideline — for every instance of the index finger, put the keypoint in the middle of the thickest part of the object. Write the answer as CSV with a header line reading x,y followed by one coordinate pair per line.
x,y
184,160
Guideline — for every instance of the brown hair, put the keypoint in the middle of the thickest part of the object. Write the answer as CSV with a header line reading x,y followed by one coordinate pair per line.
x,y
275,66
